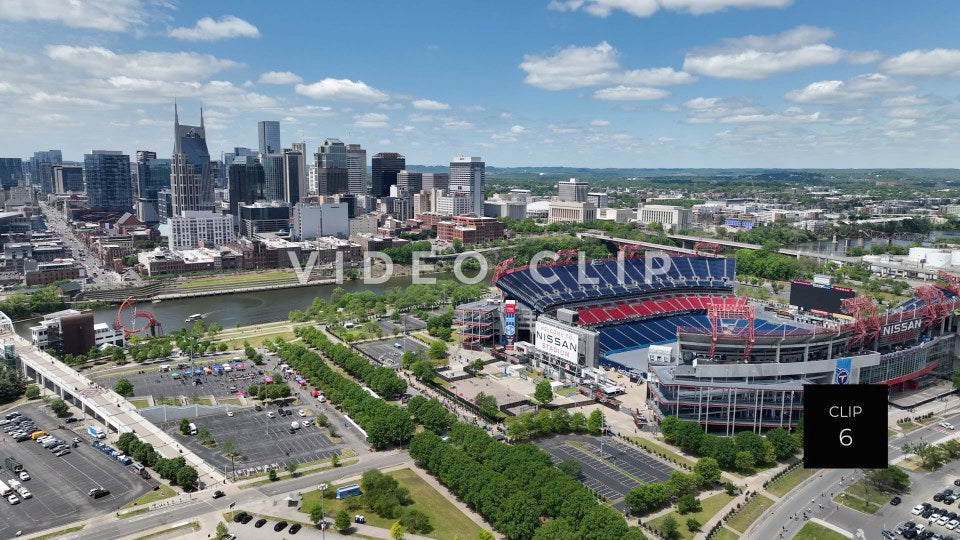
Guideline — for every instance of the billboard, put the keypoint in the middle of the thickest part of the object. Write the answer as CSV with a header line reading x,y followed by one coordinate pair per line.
x,y
509,323
819,298
557,341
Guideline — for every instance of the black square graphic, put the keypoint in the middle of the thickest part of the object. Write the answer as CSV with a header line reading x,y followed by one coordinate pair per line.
x,y
844,426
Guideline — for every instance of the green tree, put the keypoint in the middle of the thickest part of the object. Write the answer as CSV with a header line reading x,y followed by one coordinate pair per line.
x,y
416,521
222,531
693,525
688,503
187,478
335,461
397,531
12,384
544,392
784,444
423,370
59,407
578,422
342,521
185,426
892,479
571,466
669,528
272,475
123,387
437,350
316,516
292,467
32,392
744,461
595,421
484,534
706,470
956,379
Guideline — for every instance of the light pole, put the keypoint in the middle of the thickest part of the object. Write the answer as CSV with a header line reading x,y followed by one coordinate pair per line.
x,y
323,488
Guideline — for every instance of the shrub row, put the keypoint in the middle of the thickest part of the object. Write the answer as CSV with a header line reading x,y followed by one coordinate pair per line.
x,y
383,381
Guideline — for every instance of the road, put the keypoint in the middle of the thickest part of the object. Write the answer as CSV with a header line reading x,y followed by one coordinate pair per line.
x,y
829,481
57,224
202,503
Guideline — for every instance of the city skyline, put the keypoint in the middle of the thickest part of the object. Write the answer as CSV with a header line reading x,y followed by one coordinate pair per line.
x,y
591,83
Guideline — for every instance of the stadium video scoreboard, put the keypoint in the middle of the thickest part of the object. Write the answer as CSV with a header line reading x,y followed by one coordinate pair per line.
x,y
818,298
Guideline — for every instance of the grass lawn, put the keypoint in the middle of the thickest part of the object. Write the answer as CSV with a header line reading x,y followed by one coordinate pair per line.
x,y
139,403
247,279
781,486
663,449
61,532
166,400
891,433
907,427
228,400
568,391
928,421
711,505
726,534
749,513
257,340
195,525
164,492
862,497
815,531
447,520
200,401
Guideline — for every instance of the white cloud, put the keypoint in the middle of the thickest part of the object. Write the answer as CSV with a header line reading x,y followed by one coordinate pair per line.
x,y
630,93
929,63
429,105
554,128
572,67
113,16
664,76
864,57
646,8
103,62
279,77
457,124
208,29
579,67
370,120
904,101
757,57
599,123
342,90
835,91
311,110
517,129
43,98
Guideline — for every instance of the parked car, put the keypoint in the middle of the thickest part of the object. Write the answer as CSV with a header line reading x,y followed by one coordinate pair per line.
x,y
260,523
13,499
294,528
895,501
246,519
918,509
238,517
280,526
302,413
24,476
218,493
97,493
62,453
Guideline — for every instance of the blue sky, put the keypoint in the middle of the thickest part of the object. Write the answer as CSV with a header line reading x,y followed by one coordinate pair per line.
x,y
592,83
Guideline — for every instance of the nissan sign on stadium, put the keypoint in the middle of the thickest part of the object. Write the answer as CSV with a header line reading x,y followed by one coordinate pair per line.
x,y
900,327
557,341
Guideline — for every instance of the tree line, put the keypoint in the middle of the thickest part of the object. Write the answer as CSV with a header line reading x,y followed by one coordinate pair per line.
x,y
384,381
742,452
517,488
175,469
386,424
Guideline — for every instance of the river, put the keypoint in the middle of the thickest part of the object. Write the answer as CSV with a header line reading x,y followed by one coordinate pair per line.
x,y
241,309
827,248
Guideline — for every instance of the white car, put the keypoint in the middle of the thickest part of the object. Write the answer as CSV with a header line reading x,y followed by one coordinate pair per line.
x,y
943,520
270,415
24,492
13,499
947,425
302,413
952,524
933,518
917,510
24,476
229,413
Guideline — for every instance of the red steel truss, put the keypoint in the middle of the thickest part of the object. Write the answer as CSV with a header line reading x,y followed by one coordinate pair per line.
x,y
866,324
718,311
706,248
935,307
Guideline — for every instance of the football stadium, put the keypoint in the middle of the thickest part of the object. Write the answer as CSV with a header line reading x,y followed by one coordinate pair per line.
x,y
708,355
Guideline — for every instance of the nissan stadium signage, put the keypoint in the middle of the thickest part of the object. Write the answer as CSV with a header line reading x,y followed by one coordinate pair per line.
x,y
557,342
900,327
510,322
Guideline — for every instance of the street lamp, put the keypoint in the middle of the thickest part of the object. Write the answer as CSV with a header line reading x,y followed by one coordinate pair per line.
x,y
323,488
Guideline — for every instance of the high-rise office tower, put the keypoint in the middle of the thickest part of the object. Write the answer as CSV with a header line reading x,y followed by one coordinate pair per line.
x,y
386,165
190,183
245,185
294,183
240,154
356,169
411,181
106,174
468,174
11,172
268,133
435,181
272,176
332,171
41,169
304,165
573,190
68,179
153,175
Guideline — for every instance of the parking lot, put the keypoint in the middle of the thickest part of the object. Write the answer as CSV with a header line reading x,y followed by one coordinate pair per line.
x,y
60,485
156,383
262,441
621,468
385,349
923,488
